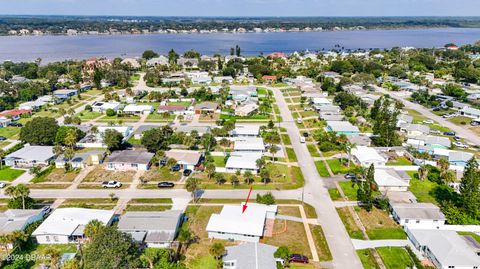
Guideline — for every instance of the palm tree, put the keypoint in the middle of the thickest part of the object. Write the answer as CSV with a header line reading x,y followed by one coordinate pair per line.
x,y
273,150
2,154
52,257
348,147
422,172
93,228
20,190
443,165
210,169
192,186
217,250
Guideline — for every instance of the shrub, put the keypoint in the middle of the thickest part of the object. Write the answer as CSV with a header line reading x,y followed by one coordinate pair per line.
x,y
266,199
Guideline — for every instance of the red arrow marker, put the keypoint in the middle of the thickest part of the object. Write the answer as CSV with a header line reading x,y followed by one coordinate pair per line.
x,y
245,205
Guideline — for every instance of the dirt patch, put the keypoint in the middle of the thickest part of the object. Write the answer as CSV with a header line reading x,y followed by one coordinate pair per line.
x,y
59,175
289,211
100,174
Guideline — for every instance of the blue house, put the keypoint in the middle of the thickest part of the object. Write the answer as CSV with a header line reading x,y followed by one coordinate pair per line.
x,y
66,93
459,158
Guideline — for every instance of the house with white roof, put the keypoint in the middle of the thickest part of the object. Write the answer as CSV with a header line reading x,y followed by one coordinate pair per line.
x,y
95,140
187,159
429,141
66,225
246,130
415,129
103,106
153,229
445,248
4,122
390,180
470,112
329,108
138,109
246,109
366,156
243,161
223,79
249,226
342,127
418,215
250,256
404,119
160,60
321,101
459,158
249,144
30,156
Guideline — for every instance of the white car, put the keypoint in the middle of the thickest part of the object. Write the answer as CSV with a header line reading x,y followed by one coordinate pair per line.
x,y
299,120
428,121
460,145
2,185
111,184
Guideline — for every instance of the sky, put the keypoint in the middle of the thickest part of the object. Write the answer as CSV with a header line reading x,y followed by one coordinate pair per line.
x,y
243,7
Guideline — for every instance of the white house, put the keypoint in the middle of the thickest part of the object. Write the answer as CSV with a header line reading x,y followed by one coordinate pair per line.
x,y
252,144
243,161
103,106
470,112
29,156
82,160
250,256
154,229
18,219
92,140
389,180
246,110
127,160
160,60
366,156
223,79
66,225
246,130
342,127
414,129
418,215
4,122
321,101
187,159
445,248
249,226
137,109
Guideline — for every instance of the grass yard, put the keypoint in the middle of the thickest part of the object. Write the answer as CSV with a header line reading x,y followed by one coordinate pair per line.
x,y
135,77
379,225
400,161
219,161
117,119
10,174
395,257
161,174
352,229
334,194
313,150
286,139
155,117
289,211
367,259
36,250
422,190
133,207
349,189
52,174
292,157
417,116
321,244
295,237
460,120
340,168
134,141
10,132
88,115
99,175
322,169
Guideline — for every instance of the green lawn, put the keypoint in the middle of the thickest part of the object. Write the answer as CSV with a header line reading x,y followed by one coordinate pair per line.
x,y
313,150
321,243
155,117
286,139
349,223
386,233
334,194
338,168
10,132
88,115
9,174
134,141
116,118
219,161
400,161
422,190
367,259
322,169
395,257
349,189
460,120
417,117
292,157
135,77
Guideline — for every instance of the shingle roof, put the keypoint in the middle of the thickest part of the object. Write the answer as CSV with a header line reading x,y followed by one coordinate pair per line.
x,y
130,156
424,211
251,256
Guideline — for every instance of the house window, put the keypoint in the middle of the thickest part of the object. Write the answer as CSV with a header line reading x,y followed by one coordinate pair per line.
x,y
451,266
418,221
406,220
55,238
135,165
47,238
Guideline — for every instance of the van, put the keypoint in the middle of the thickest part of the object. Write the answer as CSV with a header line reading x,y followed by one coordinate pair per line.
x,y
302,139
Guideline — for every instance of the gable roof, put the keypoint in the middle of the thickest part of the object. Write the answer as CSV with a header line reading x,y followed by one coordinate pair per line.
x,y
389,178
342,126
184,156
33,153
130,156
15,219
367,154
425,211
251,256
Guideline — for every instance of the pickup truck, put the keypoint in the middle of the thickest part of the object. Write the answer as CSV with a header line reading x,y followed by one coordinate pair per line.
x,y
111,184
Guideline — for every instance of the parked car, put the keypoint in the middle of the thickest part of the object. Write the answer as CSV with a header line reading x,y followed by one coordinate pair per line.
x,y
460,144
166,184
163,162
302,139
111,184
2,185
305,134
428,121
46,209
449,133
298,258
2,138
299,120
187,172
475,122
350,176
15,124
433,131
175,168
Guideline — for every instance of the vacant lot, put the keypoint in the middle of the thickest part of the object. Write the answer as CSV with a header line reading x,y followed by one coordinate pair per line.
x,y
100,174
294,237
161,174
379,225
347,219
53,174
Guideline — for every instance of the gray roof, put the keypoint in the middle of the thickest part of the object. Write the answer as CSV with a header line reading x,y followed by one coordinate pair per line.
x,y
33,153
455,156
130,156
158,225
449,248
16,219
143,128
438,140
81,157
420,211
416,127
189,129
251,256
359,140
342,126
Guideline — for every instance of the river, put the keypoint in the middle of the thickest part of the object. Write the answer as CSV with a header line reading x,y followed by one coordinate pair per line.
x,y
54,48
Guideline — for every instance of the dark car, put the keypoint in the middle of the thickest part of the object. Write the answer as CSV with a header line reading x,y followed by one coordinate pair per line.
x,y
187,172
350,176
298,258
15,124
163,162
449,133
305,134
2,138
166,184
175,168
